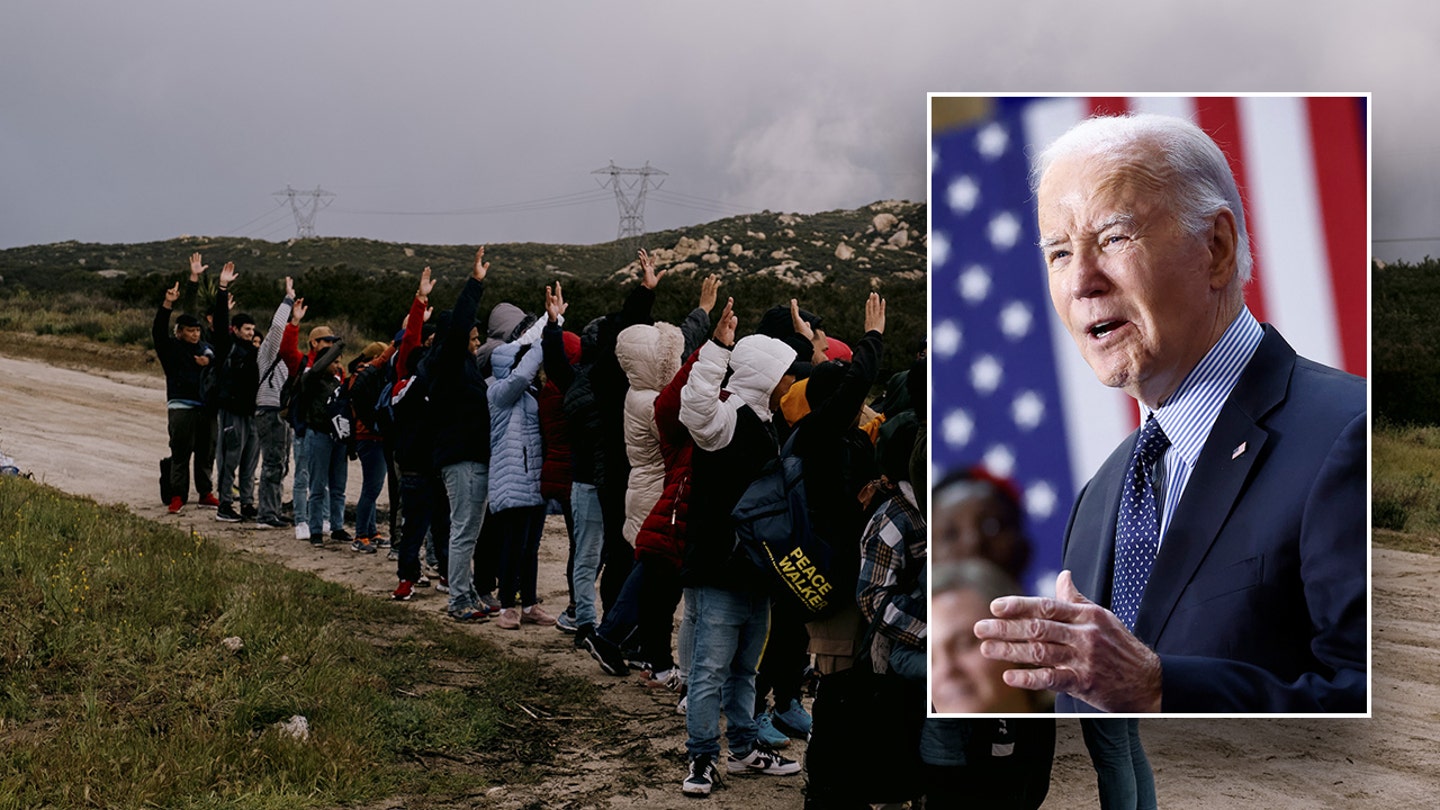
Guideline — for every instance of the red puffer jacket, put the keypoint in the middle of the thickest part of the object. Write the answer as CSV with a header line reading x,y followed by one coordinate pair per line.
x,y
555,476
662,535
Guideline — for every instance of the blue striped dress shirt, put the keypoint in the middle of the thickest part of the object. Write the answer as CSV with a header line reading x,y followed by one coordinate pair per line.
x,y
1190,413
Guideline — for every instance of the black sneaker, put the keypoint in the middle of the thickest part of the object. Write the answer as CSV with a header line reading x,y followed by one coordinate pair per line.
x,y
583,632
272,523
762,760
225,514
341,536
565,622
607,655
703,776
249,512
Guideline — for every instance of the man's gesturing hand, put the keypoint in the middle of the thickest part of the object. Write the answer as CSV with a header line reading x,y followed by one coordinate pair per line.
x,y
1076,647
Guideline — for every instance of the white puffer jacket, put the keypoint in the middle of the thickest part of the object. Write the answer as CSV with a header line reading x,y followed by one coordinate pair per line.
x,y
650,357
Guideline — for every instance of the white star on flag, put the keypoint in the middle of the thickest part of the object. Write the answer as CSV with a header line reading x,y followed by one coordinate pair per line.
x,y
946,339
1000,461
1040,500
962,194
974,284
992,140
985,374
939,250
1028,410
1004,230
1015,320
956,427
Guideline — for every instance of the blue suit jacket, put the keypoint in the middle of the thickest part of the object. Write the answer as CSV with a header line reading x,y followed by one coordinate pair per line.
x,y
1257,599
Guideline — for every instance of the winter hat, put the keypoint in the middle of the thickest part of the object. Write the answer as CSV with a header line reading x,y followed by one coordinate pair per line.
x,y
758,362
185,320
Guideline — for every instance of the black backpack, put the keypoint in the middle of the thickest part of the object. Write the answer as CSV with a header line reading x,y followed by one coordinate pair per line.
x,y
365,388
290,395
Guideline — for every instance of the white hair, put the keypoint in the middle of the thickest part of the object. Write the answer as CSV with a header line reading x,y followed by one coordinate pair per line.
x,y
1191,163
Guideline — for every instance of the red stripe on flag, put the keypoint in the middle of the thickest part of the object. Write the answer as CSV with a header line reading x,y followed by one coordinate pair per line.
x,y
1109,106
1220,118
1335,128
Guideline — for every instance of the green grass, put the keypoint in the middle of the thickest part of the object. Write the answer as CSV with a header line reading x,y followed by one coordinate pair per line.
x,y
1405,484
115,690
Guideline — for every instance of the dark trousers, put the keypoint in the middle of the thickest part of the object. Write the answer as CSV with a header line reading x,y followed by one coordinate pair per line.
x,y
192,439
518,531
426,509
1122,771
782,667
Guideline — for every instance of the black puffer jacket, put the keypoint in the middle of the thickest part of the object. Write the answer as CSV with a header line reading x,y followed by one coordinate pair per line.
x,y
459,408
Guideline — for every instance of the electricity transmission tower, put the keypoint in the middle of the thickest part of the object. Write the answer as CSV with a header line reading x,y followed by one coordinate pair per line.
x,y
630,186
305,211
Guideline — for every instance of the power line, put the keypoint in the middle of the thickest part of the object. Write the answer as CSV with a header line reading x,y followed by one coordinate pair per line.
x,y
1413,239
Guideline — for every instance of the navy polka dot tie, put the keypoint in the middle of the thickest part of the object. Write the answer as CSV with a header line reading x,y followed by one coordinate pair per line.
x,y
1137,532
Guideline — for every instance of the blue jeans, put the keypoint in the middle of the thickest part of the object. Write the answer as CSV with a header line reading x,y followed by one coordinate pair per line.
x,y
1121,769
372,470
467,487
328,466
685,641
589,539
300,487
730,631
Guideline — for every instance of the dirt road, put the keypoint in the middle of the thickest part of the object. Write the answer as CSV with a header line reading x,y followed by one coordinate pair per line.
x,y
101,435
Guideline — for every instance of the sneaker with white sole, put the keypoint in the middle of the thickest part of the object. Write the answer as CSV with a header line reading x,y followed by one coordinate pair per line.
x,y
442,584
565,622
509,619
404,592
607,655
761,760
302,531
702,778
490,602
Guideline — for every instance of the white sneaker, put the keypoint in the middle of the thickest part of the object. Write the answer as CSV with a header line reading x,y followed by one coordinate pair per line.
x,y
703,776
302,531
761,760
325,526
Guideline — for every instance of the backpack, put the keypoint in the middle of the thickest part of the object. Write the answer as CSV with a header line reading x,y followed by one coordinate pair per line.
x,y
366,385
290,395
774,531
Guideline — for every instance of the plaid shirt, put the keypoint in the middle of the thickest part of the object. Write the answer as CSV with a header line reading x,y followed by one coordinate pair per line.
x,y
892,551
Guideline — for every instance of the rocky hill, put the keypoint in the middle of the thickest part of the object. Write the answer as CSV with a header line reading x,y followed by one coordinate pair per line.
x,y
828,260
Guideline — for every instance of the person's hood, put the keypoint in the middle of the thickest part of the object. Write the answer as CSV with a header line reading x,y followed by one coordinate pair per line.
x,y
506,322
650,354
757,363
503,320
502,359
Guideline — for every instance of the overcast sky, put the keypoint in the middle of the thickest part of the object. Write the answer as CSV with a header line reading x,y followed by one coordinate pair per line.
x,y
466,122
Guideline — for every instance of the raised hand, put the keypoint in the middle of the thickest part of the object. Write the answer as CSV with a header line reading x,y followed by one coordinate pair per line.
x,y
555,304
709,293
427,284
481,266
297,312
729,321
227,274
172,295
802,327
649,277
428,312
196,268
875,313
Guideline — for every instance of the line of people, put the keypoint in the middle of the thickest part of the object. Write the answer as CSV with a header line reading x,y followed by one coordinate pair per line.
x,y
479,432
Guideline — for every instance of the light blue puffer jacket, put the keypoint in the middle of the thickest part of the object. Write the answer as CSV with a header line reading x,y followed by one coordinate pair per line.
x,y
516,454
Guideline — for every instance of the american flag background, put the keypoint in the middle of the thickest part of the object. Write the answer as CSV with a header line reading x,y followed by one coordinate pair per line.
x,y
1010,391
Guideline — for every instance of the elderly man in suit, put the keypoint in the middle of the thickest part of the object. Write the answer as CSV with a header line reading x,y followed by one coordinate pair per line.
x,y
1217,560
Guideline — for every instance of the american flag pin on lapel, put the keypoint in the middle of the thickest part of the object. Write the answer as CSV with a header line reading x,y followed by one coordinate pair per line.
x,y
1239,451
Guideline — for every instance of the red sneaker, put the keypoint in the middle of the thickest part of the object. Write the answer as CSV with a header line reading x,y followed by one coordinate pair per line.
x,y
404,592
175,504
208,499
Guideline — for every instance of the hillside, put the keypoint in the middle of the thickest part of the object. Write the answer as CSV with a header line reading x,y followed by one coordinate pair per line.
x,y
829,260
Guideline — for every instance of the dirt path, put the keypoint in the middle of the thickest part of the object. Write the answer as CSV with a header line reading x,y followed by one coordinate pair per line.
x,y
101,435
